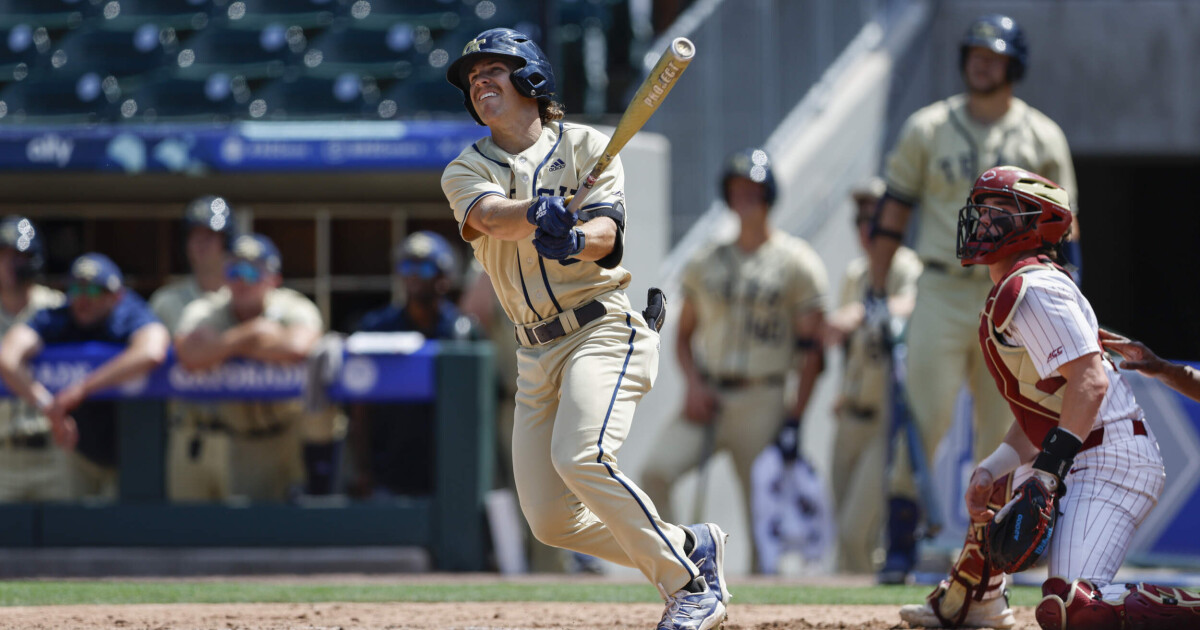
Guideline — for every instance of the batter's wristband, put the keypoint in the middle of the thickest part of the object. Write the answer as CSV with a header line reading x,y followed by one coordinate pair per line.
x,y
1058,452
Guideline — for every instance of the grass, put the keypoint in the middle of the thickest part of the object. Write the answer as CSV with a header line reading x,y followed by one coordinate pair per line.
x,y
46,593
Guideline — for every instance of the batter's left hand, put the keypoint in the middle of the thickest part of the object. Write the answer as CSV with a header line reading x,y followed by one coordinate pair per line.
x,y
561,247
550,214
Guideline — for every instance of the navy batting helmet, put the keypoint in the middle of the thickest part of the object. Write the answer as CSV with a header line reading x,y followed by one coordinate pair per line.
x,y
211,213
754,165
1001,34
533,77
18,233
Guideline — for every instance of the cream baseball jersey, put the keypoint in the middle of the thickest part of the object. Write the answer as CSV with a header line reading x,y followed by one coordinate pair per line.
x,y
748,304
942,150
529,287
168,302
16,416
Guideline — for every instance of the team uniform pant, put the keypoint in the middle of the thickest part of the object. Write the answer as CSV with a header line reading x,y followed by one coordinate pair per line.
x,y
943,352
747,421
33,474
857,475
574,408
1111,488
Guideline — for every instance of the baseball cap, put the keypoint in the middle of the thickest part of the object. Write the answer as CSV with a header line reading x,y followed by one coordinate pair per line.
x,y
97,270
257,249
429,248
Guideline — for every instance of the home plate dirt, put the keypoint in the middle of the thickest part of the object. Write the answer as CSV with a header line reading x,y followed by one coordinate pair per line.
x,y
460,616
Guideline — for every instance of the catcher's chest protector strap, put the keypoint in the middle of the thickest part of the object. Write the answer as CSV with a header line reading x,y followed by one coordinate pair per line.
x,y
972,578
1036,402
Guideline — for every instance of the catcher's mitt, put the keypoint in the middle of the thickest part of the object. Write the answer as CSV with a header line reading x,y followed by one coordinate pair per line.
x,y
1020,533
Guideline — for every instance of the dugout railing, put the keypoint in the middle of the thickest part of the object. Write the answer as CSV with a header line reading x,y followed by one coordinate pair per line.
x,y
455,377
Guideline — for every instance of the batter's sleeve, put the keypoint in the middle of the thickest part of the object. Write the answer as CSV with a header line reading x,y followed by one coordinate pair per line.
x,y
905,168
1049,322
465,183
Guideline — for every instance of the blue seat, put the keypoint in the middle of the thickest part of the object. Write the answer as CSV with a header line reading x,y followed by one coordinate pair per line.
x,y
22,44
180,15
385,54
61,99
217,98
307,97
117,53
255,14
52,14
255,54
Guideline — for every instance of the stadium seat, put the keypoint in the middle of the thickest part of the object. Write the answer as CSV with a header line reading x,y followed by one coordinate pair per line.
x,y
254,54
315,98
385,54
22,47
118,53
52,14
216,98
180,15
255,14
84,98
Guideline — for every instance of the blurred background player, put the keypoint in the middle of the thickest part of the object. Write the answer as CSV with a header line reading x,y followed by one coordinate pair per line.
x,y
860,449
940,151
751,308
586,357
393,444
99,308
197,443
260,320
32,466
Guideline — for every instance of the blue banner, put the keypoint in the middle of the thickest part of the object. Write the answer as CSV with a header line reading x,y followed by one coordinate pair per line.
x,y
363,377
241,147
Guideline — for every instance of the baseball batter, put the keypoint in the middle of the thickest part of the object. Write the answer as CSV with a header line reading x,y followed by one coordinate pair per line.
x,y
751,309
586,357
1079,433
860,441
257,319
197,442
32,468
941,149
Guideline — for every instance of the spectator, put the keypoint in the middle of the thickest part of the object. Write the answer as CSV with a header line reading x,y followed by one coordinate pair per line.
x,y
393,444
99,308
32,468
860,441
1181,378
258,319
197,443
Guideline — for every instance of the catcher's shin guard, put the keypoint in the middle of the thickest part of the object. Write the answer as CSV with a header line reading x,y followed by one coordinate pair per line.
x,y
1076,606
972,578
1151,607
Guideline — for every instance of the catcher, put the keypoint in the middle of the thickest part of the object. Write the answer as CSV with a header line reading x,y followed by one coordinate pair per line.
x,y
1080,469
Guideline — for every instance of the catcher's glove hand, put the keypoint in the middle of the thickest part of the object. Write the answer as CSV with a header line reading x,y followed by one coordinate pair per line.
x,y
1020,533
550,215
559,247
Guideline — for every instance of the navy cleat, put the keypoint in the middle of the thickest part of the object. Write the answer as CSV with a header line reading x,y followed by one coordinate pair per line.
x,y
686,610
708,554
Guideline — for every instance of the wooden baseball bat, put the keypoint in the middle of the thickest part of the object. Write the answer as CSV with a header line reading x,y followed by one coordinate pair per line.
x,y
651,93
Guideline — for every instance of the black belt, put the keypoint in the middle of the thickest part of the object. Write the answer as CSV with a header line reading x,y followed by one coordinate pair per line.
x,y
35,440
545,332
741,382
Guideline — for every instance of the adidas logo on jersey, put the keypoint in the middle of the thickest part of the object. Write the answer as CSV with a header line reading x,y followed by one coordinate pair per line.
x,y
557,165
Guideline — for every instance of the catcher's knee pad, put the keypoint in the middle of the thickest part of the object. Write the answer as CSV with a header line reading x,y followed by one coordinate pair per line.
x,y
972,579
1075,606
1151,607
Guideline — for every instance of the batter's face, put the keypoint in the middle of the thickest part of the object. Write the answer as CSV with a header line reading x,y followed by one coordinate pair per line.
x,y
745,196
985,71
492,92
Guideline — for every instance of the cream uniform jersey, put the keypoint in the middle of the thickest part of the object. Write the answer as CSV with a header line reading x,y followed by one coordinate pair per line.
x,y
942,150
18,417
285,306
529,287
747,304
168,302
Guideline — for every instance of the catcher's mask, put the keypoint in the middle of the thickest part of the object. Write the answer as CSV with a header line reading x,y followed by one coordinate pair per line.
x,y
1040,215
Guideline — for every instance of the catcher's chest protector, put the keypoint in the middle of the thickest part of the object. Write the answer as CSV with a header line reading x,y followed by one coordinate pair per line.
x,y
1036,402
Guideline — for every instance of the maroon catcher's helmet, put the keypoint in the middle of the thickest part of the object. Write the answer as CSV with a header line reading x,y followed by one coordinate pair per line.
x,y
988,233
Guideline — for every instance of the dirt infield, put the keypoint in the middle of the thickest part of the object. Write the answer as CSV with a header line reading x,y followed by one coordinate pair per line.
x,y
461,616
